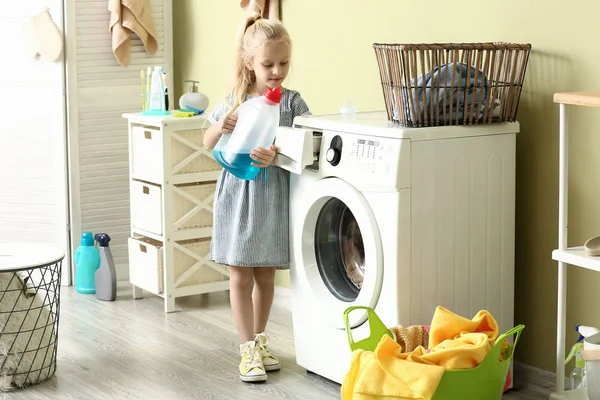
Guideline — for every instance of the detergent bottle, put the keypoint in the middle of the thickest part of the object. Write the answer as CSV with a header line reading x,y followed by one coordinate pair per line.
x,y
256,126
87,261
106,275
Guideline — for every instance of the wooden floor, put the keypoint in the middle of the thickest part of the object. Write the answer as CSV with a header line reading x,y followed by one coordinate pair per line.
x,y
131,349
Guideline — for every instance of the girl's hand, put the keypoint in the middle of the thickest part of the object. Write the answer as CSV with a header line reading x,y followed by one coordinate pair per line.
x,y
227,123
264,157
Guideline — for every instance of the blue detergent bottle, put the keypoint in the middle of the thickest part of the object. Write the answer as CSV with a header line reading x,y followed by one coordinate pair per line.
x,y
87,261
257,123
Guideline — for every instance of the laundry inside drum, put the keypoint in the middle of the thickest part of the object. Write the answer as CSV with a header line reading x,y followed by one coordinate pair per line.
x,y
352,248
339,250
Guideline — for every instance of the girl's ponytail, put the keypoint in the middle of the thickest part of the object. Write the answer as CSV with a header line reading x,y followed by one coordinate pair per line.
x,y
243,78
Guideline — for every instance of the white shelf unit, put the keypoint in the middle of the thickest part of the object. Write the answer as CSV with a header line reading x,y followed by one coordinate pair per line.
x,y
172,183
567,256
579,394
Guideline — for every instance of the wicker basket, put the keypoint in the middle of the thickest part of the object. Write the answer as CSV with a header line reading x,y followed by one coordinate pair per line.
x,y
451,84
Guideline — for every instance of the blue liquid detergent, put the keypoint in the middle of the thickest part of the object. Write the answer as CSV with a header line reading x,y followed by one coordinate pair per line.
x,y
241,167
87,261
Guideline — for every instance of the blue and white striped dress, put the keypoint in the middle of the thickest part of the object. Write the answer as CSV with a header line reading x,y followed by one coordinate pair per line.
x,y
251,218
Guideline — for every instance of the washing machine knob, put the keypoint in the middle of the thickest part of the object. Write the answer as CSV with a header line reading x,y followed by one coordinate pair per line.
x,y
334,153
333,156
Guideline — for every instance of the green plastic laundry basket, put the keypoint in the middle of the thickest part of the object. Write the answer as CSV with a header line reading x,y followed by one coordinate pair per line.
x,y
486,381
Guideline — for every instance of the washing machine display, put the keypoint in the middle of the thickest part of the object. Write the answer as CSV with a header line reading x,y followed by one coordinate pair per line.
x,y
340,250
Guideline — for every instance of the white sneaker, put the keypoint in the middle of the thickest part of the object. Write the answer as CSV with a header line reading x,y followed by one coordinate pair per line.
x,y
251,366
270,362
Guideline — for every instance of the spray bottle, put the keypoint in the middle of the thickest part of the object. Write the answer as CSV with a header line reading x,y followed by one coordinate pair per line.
x,y
577,378
106,275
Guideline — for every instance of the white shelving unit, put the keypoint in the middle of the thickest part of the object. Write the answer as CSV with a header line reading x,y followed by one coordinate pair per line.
x,y
567,256
172,183
579,394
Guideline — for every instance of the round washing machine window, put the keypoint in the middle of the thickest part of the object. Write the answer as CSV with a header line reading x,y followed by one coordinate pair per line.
x,y
340,250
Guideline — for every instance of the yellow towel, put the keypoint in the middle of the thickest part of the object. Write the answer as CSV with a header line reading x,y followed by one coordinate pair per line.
x,y
389,373
131,16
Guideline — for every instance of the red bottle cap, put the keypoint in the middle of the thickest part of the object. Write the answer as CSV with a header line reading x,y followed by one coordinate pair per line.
x,y
274,95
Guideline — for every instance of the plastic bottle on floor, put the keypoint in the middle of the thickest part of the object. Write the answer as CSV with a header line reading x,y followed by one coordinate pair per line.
x,y
106,275
87,261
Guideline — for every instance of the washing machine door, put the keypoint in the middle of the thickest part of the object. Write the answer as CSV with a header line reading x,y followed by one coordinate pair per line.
x,y
339,244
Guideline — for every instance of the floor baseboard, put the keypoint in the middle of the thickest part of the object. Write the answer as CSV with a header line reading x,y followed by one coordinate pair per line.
x,y
527,376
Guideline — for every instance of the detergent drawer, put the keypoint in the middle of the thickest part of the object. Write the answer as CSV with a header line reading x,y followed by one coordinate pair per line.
x,y
297,148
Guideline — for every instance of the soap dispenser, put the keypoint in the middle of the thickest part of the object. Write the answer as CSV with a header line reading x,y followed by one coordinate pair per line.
x,y
192,100
106,275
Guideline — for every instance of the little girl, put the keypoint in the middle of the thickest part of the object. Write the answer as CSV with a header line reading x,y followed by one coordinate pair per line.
x,y
250,230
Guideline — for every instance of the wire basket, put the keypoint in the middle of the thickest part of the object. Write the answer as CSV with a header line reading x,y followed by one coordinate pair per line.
x,y
29,313
451,83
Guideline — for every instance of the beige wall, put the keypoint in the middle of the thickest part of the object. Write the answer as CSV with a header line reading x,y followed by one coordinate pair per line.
x,y
333,60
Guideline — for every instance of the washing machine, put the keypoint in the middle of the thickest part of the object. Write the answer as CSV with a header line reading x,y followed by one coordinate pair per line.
x,y
397,219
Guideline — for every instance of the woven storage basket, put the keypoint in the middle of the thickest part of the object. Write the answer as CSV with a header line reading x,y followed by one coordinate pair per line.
x,y
187,214
181,151
453,83
147,273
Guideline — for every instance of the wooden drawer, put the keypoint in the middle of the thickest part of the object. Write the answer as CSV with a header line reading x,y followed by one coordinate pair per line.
x,y
147,154
190,258
191,207
146,264
146,207
188,157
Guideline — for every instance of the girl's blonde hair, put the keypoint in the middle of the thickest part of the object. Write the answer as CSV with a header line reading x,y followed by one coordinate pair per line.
x,y
252,34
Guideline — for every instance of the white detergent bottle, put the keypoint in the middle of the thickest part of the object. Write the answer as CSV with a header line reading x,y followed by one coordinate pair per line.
x,y
256,126
156,90
106,275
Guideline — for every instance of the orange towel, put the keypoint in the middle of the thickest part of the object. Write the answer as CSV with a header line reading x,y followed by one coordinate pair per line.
x,y
131,16
268,9
410,338
388,372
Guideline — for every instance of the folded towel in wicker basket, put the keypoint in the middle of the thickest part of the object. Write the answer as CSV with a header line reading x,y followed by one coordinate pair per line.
x,y
450,90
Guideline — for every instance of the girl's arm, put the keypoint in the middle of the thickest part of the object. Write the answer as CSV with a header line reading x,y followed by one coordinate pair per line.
x,y
214,133
212,136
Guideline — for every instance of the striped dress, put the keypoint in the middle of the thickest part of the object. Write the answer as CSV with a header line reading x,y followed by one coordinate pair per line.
x,y
251,218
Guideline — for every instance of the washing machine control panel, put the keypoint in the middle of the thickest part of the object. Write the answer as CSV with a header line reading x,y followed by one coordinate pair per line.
x,y
377,162
371,155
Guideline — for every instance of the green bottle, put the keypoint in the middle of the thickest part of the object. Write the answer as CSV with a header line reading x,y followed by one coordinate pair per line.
x,y
577,377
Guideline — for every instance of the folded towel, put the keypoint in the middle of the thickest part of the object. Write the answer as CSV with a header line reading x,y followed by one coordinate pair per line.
x,y
412,337
446,92
388,372
131,16
268,9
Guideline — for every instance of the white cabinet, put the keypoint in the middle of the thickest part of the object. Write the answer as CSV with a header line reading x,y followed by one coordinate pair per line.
x,y
172,184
